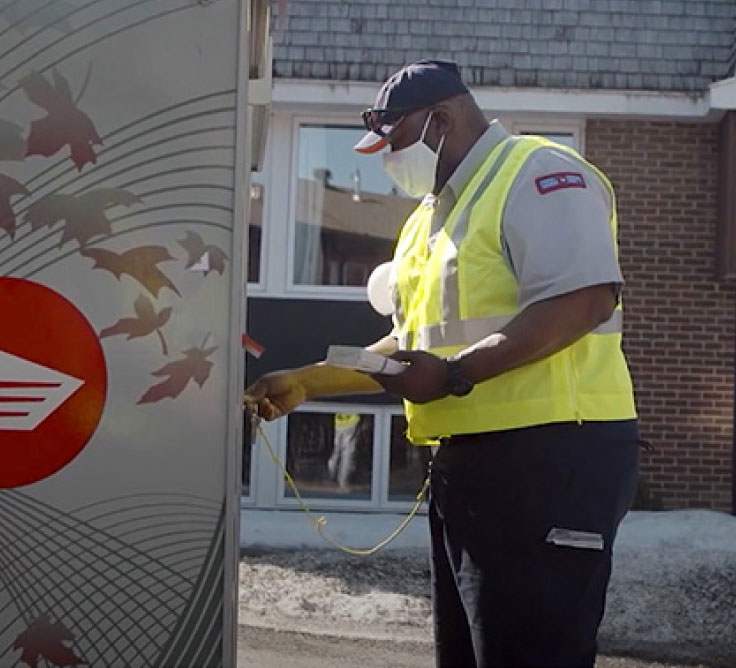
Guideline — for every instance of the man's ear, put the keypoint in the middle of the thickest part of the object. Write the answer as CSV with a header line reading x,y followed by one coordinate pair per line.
x,y
442,124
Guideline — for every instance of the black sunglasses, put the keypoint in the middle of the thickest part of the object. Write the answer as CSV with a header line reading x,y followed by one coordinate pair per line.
x,y
375,119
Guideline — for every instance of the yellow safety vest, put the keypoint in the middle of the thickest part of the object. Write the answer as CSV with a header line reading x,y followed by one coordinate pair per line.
x,y
461,290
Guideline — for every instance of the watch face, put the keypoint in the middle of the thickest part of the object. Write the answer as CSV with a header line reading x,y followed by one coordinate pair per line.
x,y
461,387
457,384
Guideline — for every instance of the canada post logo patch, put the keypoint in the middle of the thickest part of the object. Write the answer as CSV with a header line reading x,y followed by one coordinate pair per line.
x,y
551,182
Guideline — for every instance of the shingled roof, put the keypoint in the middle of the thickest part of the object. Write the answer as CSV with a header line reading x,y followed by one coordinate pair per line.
x,y
656,45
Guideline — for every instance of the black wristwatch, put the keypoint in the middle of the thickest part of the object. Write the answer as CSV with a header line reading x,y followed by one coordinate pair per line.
x,y
457,384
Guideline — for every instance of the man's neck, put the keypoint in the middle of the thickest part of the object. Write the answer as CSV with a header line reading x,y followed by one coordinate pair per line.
x,y
450,159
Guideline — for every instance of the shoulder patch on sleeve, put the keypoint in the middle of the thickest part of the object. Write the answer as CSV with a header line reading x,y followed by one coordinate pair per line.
x,y
551,182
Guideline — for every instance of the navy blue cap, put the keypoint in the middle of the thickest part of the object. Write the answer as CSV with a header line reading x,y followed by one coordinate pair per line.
x,y
415,86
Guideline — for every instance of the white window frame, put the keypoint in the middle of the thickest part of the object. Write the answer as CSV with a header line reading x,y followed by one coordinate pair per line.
x,y
259,288
281,193
574,127
264,472
273,239
268,487
346,292
377,483
392,411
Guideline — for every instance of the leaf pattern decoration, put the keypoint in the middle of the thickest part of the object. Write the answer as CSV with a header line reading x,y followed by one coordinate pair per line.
x,y
44,639
8,188
12,145
64,124
196,249
85,215
138,263
194,366
145,322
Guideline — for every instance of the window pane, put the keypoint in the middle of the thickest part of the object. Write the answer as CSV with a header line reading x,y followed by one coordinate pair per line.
x,y
408,464
348,212
330,455
255,226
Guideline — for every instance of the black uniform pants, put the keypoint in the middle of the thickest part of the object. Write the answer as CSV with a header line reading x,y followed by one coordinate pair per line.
x,y
502,594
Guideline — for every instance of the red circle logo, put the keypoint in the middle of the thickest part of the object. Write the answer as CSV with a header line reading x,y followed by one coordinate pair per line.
x,y
53,382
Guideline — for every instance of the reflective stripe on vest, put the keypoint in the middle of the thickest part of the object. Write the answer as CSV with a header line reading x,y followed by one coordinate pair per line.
x,y
451,292
467,332
450,296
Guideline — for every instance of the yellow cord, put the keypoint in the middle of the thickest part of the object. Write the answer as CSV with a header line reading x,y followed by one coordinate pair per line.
x,y
321,521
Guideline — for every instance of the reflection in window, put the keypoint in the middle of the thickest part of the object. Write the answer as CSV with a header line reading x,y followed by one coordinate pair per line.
x,y
255,226
330,455
408,464
348,212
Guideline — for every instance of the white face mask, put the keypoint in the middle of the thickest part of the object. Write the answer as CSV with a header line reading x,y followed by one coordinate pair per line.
x,y
414,168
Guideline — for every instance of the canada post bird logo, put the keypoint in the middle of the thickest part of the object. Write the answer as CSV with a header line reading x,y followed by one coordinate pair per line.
x,y
53,382
558,181
29,393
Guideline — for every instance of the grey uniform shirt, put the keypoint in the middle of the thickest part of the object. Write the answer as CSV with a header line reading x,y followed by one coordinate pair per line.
x,y
556,236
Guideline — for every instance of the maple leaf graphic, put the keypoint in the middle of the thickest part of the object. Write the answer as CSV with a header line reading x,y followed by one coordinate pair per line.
x,y
8,188
64,124
193,366
12,145
45,639
138,263
147,322
196,250
84,215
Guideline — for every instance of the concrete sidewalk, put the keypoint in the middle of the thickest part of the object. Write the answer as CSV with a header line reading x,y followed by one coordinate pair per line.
x,y
671,594
268,648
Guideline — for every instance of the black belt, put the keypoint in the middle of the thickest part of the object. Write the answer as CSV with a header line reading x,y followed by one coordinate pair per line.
x,y
459,439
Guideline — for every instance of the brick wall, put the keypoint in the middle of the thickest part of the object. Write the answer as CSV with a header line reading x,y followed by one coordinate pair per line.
x,y
679,331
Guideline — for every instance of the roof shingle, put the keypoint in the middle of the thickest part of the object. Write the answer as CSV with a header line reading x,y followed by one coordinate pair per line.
x,y
667,45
